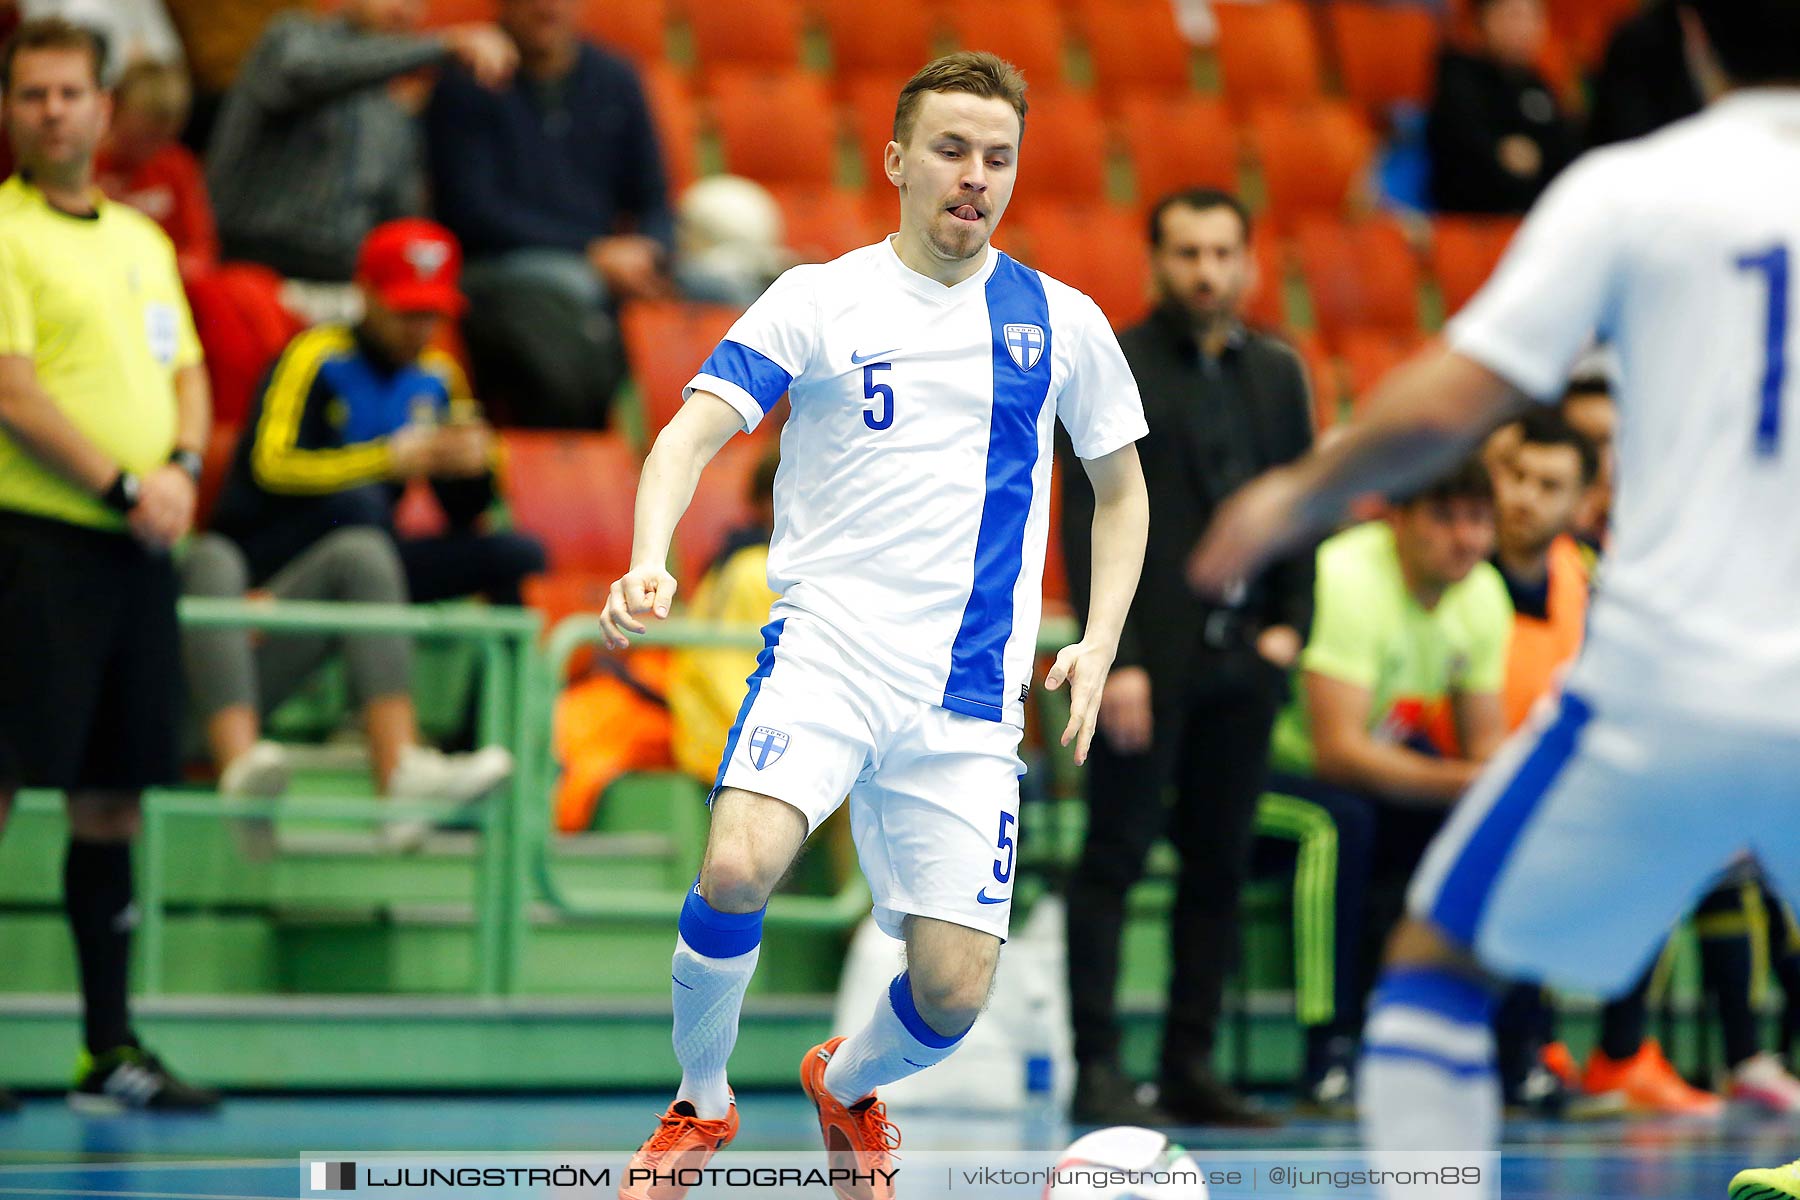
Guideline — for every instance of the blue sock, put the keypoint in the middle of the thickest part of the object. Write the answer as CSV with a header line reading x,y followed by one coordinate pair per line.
x,y
715,956
1428,1079
894,1044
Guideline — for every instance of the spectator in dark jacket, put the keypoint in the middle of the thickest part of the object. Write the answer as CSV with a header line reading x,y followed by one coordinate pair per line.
x,y
555,185
311,151
1644,81
1495,132
1195,687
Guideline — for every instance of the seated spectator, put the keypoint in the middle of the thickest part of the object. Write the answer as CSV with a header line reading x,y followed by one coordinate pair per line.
x,y
706,687
555,186
728,241
346,419
1588,406
143,163
1495,131
218,36
1644,81
311,151
1409,640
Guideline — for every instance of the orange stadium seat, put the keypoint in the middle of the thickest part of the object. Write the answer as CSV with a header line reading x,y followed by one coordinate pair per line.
x,y
1135,44
754,33
1369,354
1464,252
440,14
1068,148
665,343
870,100
1322,376
1387,53
575,491
1267,51
1030,34
1314,156
879,37
720,505
775,127
1098,248
677,123
1178,142
638,29
1360,274
822,223
1266,306
1586,26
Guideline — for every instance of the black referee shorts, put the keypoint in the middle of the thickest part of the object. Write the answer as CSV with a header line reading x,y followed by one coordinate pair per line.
x,y
90,659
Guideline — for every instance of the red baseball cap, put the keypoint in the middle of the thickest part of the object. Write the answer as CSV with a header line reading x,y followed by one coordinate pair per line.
x,y
412,265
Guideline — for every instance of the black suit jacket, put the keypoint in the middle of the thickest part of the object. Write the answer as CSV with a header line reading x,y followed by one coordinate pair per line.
x,y
1163,630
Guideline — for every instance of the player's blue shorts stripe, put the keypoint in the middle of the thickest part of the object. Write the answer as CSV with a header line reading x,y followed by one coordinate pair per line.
x,y
976,684
751,370
1463,897
765,663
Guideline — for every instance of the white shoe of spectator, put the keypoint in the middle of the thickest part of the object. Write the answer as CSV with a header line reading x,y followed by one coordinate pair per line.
x,y
1762,1081
426,773
262,773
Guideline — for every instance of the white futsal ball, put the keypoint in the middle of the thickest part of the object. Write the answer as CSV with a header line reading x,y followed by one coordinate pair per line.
x,y
1126,1163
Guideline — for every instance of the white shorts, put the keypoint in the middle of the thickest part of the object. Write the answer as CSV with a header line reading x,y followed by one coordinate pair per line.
x,y
1597,829
934,795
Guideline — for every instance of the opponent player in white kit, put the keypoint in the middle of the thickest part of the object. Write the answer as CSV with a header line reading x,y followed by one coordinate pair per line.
x,y
1676,743
925,373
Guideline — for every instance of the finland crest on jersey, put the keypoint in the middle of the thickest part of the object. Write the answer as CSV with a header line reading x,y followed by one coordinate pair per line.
x,y
912,503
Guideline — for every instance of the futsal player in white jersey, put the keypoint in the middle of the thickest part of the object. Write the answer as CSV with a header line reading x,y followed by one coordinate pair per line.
x,y
1676,742
925,374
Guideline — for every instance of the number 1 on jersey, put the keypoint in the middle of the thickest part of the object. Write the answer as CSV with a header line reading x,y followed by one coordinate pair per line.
x,y
1773,263
882,417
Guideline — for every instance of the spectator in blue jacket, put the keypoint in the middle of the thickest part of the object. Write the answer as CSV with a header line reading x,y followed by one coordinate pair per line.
x,y
555,186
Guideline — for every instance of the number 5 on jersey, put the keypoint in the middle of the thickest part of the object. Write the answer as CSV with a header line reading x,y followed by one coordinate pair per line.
x,y
880,415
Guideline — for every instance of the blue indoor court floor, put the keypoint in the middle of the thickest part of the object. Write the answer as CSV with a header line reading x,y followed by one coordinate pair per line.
x,y
252,1147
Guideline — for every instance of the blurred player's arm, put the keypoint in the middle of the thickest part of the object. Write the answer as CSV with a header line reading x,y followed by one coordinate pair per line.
x,y
1426,418
665,488
1120,526
1347,754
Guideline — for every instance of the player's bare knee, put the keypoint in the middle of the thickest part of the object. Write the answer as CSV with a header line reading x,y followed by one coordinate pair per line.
x,y
1418,943
730,882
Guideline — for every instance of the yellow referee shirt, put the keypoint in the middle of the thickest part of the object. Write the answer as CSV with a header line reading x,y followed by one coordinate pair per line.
x,y
96,304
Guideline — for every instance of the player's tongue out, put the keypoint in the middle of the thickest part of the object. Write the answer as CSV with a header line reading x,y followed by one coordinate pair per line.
x,y
966,212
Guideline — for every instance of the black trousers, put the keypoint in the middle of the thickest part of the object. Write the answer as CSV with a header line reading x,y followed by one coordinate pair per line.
x,y
1211,743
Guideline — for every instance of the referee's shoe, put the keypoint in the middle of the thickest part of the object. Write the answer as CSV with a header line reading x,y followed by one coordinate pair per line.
x,y
1768,1183
131,1077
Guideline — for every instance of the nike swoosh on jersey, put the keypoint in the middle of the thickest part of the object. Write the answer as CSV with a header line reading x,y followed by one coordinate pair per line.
x,y
859,361
983,898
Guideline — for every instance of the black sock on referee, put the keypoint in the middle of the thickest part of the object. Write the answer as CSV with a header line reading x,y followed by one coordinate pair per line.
x,y
97,894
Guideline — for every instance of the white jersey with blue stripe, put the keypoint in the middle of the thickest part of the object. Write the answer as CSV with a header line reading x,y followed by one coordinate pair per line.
x,y
1682,251
912,503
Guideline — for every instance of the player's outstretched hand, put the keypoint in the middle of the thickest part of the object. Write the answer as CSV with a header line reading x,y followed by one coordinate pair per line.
x,y
1085,667
639,592
1260,521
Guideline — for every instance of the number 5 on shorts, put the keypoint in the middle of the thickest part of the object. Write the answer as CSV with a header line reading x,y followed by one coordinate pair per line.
x,y
1004,873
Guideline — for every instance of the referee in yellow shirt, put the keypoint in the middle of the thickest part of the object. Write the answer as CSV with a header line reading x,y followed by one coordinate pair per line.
x,y
103,414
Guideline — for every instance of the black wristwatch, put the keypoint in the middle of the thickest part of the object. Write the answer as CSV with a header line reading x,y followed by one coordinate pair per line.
x,y
124,493
188,461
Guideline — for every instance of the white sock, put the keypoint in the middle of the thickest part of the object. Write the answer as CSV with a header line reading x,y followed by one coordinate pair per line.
x,y
715,956
894,1044
1427,1080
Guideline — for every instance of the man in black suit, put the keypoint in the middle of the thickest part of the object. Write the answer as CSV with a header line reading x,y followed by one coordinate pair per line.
x,y
1195,688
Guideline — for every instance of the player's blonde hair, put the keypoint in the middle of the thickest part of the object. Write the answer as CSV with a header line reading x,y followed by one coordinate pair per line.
x,y
975,72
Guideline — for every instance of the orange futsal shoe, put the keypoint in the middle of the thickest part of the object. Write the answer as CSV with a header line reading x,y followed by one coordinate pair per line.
x,y
1650,1084
859,1140
682,1141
